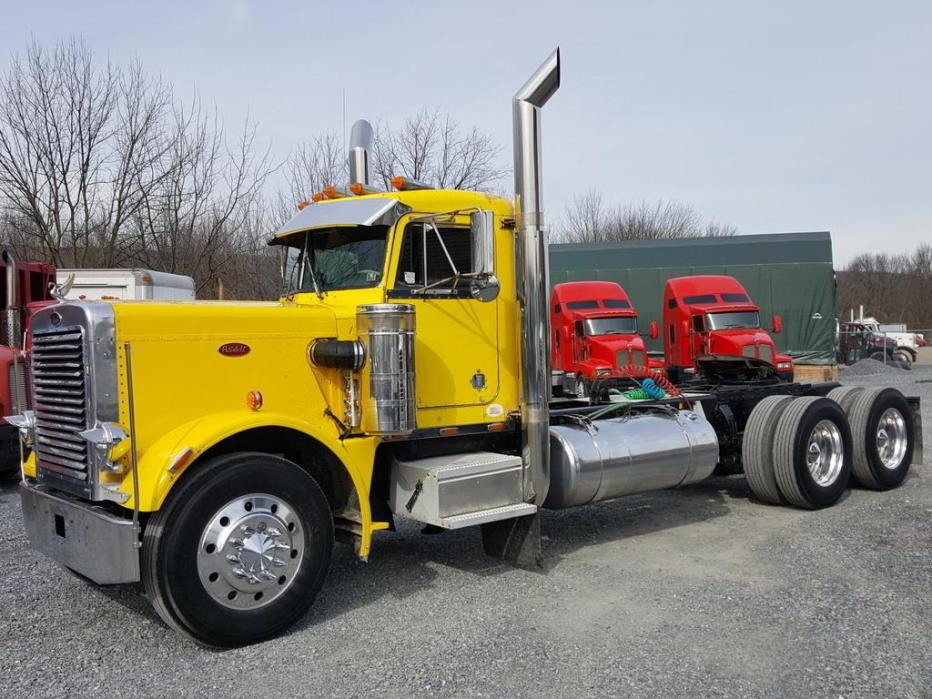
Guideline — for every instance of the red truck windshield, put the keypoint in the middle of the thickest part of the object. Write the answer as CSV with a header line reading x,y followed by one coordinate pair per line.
x,y
734,319
613,325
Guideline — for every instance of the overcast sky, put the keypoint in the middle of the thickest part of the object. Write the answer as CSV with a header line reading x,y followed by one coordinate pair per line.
x,y
780,116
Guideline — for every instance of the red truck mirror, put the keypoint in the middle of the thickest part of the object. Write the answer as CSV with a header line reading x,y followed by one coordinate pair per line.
x,y
654,330
777,325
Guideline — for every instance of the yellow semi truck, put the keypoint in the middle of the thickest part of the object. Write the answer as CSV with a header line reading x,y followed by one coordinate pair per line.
x,y
215,450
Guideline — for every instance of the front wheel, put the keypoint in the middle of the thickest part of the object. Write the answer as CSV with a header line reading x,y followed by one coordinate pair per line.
x,y
239,551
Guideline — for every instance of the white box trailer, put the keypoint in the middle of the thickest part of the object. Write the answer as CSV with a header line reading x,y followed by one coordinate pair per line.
x,y
123,284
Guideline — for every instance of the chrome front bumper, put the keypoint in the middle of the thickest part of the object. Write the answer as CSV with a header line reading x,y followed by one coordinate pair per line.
x,y
81,536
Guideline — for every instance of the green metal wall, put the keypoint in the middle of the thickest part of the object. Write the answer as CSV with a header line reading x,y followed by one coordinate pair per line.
x,y
786,274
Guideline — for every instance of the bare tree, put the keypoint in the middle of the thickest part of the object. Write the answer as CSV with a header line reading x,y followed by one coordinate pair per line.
x,y
433,148
893,288
77,148
587,220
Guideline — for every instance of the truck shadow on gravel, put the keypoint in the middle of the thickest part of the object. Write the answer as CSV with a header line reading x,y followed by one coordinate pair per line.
x,y
407,562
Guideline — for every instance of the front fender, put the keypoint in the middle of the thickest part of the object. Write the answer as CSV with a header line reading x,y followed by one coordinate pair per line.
x,y
156,479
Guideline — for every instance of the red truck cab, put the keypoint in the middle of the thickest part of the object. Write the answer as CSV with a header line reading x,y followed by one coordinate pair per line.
x,y
24,290
594,336
713,316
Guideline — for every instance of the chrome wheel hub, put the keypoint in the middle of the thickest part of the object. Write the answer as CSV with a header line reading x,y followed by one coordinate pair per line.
x,y
891,438
250,551
825,453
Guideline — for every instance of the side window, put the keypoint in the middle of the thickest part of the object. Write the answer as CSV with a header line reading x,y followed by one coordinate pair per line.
x,y
672,333
580,331
433,257
698,325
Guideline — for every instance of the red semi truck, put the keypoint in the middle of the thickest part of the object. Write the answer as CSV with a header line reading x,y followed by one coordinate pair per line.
x,y
594,338
709,317
25,283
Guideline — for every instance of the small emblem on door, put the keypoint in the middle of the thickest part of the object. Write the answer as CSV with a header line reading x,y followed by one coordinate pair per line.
x,y
233,349
478,380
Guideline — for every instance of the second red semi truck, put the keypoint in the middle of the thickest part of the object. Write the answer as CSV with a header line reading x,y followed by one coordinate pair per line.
x,y
712,316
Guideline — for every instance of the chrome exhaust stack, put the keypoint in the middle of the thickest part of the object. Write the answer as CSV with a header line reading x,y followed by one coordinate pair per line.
x,y
533,277
360,145
13,334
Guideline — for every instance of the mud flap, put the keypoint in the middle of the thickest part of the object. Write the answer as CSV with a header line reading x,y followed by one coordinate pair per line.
x,y
516,541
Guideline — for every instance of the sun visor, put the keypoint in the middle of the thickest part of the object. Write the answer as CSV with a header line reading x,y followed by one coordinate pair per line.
x,y
380,211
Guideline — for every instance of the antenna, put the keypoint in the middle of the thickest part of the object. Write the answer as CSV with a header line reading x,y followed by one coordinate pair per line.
x,y
344,119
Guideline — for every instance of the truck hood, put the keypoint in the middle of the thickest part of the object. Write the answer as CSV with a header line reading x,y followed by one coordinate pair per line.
x,y
616,343
725,341
226,321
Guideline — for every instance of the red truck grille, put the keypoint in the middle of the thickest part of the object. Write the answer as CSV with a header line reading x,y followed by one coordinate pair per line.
x,y
625,357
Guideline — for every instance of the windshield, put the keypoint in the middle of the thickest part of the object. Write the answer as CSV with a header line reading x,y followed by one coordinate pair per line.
x,y
340,258
736,319
613,325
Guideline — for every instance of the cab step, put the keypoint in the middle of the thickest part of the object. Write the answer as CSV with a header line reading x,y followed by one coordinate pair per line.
x,y
459,490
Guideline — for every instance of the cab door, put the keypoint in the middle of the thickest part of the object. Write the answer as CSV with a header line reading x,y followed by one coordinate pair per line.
x,y
456,353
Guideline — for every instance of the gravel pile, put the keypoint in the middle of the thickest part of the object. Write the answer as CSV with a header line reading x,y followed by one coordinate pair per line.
x,y
870,367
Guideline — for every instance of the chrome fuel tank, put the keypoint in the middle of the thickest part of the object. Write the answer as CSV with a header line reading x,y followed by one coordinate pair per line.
x,y
620,456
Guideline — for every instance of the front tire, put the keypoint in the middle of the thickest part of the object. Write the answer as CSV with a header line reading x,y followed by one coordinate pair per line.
x,y
239,550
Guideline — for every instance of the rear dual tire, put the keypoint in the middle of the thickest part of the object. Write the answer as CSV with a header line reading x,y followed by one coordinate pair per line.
x,y
797,451
812,453
881,420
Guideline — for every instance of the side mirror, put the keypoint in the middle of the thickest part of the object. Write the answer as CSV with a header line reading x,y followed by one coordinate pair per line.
x,y
484,285
481,225
777,323
485,289
654,330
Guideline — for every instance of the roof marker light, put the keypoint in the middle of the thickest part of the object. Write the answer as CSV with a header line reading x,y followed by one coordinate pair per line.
x,y
404,184
358,188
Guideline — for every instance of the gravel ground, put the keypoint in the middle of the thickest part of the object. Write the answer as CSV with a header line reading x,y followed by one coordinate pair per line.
x,y
696,592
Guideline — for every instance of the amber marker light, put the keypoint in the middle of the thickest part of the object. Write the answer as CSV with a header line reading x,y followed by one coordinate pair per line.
x,y
357,188
317,196
254,400
181,460
302,205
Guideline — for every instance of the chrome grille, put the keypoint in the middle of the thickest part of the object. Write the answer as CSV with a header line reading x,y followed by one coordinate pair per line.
x,y
766,353
60,401
749,351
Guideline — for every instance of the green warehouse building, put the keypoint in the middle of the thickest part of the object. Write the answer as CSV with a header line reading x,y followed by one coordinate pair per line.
x,y
789,274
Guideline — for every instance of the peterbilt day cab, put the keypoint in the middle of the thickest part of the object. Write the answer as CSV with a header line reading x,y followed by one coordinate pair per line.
x,y
594,337
215,451
708,316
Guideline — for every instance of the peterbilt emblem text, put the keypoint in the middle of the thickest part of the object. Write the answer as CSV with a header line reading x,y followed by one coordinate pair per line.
x,y
233,349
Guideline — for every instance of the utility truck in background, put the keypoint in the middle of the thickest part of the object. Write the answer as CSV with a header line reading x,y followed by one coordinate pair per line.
x,y
215,451
902,344
708,317
125,285
595,345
